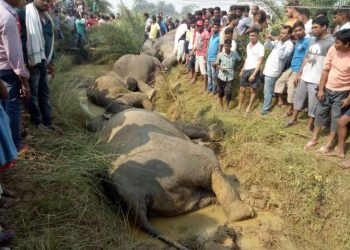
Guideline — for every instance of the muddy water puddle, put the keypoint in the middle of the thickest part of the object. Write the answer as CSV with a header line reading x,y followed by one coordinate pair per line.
x,y
262,232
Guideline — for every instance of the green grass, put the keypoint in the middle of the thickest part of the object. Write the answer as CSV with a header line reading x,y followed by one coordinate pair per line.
x,y
60,204
311,191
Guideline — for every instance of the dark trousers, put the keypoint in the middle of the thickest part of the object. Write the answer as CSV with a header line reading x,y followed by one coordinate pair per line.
x,y
39,105
225,89
13,105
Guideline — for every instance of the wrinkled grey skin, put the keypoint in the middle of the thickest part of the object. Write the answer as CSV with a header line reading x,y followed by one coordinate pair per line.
x,y
159,171
110,92
162,48
141,67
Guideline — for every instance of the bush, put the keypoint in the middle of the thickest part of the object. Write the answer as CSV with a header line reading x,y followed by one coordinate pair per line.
x,y
106,43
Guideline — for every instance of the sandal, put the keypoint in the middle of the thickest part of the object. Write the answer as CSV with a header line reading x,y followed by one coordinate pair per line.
x,y
310,144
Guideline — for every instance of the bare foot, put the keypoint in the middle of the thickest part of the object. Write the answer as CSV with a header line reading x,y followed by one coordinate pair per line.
x,y
310,144
239,108
193,81
247,110
336,154
344,164
324,150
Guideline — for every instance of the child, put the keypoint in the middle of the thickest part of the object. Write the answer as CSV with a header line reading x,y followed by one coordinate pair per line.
x,y
225,66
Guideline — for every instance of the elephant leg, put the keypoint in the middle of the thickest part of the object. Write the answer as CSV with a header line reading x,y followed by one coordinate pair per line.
x,y
146,89
229,198
191,131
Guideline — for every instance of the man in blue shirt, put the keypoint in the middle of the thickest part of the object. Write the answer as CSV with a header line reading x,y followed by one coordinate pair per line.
x,y
213,50
288,78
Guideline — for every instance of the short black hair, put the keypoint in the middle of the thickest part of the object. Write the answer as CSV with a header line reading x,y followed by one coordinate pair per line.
x,y
321,13
298,24
255,30
343,36
305,12
342,11
247,8
233,7
216,20
146,14
211,10
217,23
154,18
322,21
241,8
217,8
223,12
289,28
229,30
228,42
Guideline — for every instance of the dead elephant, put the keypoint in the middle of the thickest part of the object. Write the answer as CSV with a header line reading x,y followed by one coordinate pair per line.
x,y
113,94
159,171
162,48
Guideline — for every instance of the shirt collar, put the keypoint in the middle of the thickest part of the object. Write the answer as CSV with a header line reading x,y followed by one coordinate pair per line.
x,y
227,55
8,7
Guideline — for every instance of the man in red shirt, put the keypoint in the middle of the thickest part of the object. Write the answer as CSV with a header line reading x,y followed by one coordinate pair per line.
x,y
91,21
200,49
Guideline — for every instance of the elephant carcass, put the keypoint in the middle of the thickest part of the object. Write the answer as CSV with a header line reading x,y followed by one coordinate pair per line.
x,y
142,68
159,171
162,48
110,92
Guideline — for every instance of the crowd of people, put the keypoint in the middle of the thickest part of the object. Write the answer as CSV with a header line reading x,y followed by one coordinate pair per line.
x,y
306,61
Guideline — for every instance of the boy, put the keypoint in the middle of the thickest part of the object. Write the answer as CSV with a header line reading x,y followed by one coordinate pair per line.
x,y
225,66
213,51
251,70
333,94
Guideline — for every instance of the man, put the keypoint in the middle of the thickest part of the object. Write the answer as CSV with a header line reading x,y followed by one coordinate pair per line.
x,y
233,22
12,67
213,51
200,49
341,19
232,10
310,71
155,29
246,11
169,23
288,78
38,47
210,13
80,31
282,50
217,13
57,20
292,13
250,72
70,20
253,11
245,24
91,21
333,94
148,23
304,16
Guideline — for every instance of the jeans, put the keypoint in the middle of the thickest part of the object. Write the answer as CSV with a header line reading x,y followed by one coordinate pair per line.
x,y
268,93
13,105
39,105
212,75
78,39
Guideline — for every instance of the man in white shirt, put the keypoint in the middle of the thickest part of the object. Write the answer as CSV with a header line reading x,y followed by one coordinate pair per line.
x,y
304,16
282,51
250,72
341,19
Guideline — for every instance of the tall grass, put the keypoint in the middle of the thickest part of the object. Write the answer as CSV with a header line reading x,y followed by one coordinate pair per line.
x,y
61,204
108,42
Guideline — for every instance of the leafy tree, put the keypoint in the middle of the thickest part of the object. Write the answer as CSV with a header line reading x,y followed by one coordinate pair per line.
x,y
189,8
103,5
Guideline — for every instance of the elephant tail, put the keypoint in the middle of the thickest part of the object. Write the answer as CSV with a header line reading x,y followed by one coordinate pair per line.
x,y
147,227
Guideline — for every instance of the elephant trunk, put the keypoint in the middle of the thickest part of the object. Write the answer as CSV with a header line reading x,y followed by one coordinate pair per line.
x,y
229,198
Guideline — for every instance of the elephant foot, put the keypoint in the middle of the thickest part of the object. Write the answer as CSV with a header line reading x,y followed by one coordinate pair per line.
x,y
239,211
